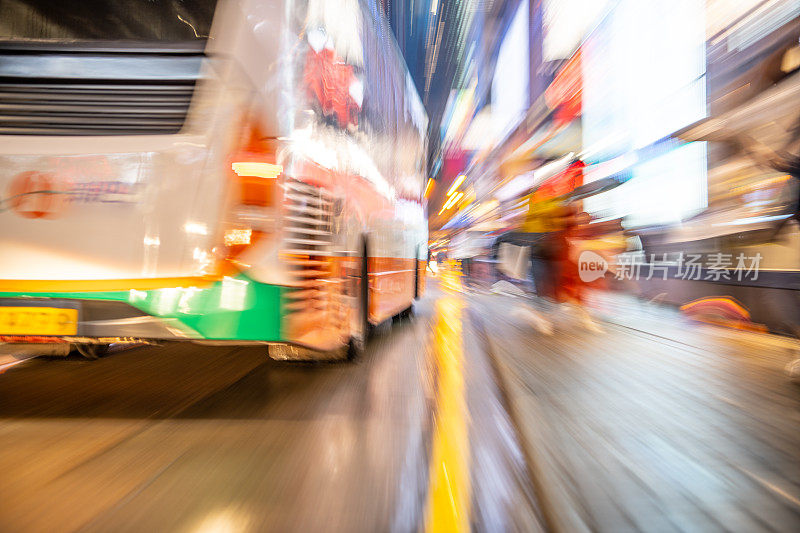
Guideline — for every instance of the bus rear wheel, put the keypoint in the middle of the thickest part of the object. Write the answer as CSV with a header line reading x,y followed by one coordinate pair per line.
x,y
416,278
408,312
91,351
358,341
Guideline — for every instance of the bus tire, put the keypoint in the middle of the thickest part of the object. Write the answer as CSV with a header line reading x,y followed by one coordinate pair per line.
x,y
416,278
405,314
91,351
358,342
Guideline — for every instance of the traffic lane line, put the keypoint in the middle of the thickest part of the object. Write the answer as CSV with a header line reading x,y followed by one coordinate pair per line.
x,y
449,490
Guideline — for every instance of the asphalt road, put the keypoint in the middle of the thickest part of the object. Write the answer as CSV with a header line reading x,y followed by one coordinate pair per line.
x,y
184,437
463,417
654,423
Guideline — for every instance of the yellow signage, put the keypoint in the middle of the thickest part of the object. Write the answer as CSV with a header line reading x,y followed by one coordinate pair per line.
x,y
38,321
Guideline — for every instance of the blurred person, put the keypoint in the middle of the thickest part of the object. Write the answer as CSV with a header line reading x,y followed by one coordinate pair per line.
x,y
539,239
514,262
607,239
569,243
466,252
555,232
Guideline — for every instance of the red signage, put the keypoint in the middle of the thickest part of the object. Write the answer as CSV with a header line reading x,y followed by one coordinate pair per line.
x,y
329,80
562,183
564,95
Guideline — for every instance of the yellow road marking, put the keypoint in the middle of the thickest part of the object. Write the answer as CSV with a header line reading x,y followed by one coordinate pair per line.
x,y
449,490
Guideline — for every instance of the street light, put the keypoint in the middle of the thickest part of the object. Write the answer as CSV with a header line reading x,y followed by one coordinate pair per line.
x,y
459,180
428,187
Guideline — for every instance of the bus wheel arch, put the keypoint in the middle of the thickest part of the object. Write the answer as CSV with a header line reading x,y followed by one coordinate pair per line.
x,y
359,338
417,260
91,351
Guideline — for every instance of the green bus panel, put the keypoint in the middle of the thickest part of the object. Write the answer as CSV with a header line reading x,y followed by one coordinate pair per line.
x,y
236,308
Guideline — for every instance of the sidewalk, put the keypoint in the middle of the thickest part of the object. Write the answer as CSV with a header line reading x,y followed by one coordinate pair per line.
x,y
656,424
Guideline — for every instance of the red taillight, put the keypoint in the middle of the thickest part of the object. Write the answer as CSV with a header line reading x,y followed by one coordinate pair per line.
x,y
254,173
258,183
254,168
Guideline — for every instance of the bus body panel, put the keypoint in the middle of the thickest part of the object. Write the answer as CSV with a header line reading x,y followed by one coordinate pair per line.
x,y
144,221
100,214
235,308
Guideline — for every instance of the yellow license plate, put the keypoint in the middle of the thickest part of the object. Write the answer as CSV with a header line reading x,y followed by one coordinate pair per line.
x,y
38,321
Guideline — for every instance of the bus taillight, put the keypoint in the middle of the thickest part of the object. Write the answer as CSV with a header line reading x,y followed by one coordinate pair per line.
x,y
255,195
257,182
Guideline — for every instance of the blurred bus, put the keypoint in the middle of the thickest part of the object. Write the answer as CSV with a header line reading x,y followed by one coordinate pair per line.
x,y
225,171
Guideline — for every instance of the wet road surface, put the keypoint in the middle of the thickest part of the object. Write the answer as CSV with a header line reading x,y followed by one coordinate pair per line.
x,y
183,437
463,417
655,424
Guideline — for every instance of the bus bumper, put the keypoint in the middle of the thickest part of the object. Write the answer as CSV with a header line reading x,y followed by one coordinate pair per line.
x,y
232,309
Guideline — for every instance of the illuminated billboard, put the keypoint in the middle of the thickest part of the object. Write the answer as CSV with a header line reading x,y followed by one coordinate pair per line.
x,y
644,78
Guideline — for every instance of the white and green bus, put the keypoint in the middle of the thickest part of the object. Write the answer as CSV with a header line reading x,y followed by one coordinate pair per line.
x,y
228,171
